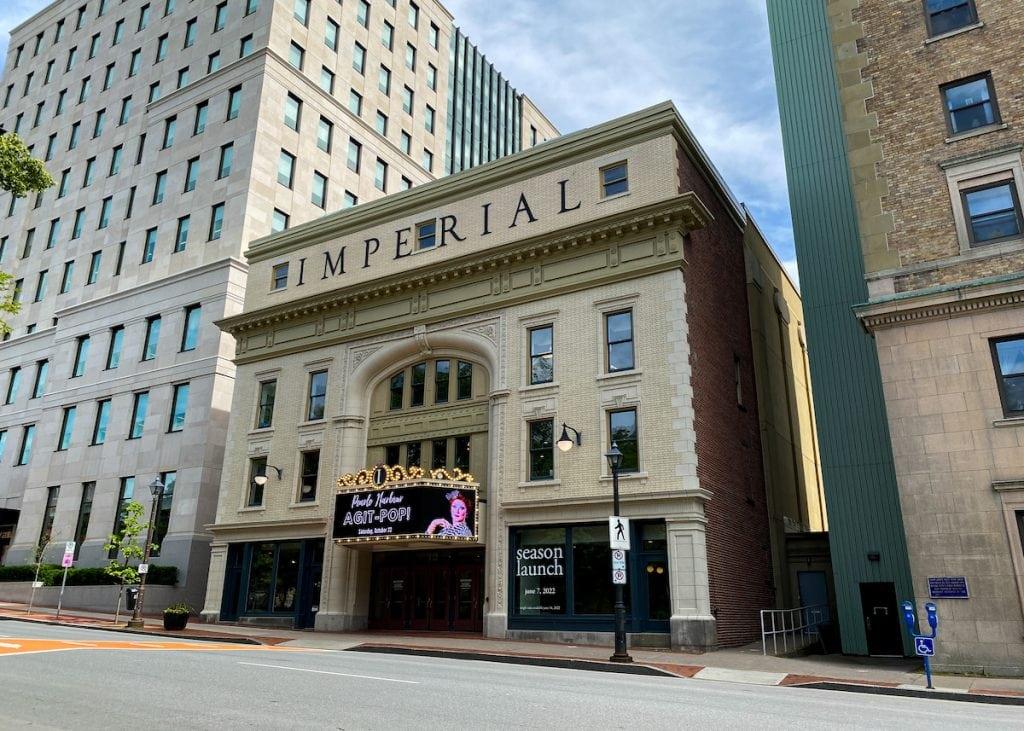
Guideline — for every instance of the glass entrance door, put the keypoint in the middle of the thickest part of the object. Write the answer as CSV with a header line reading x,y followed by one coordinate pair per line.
x,y
437,591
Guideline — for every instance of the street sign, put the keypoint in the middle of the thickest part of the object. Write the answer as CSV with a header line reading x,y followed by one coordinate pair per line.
x,y
144,568
618,532
924,646
618,576
69,555
619,559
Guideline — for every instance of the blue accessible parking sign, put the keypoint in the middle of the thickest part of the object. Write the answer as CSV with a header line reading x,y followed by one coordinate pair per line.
x,y
924,646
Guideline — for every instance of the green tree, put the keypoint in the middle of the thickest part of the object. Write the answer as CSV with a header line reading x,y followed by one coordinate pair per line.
x,y
125,542
20,174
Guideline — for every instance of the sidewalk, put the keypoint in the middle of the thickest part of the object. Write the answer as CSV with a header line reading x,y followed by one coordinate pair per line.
x,y
742,665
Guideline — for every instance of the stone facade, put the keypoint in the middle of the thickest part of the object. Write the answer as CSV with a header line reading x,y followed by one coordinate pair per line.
x,y
525,241
149,95
957,451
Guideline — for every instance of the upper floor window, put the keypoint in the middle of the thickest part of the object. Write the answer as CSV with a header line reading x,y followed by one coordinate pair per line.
x,y
1008,354
614,180
179,403
619,338
310,475
396,389
81,356
622,431
138,422
280,276
970,103
301,11
418,384
992,212
541,354
220,17
257,468
317,395
152,337
464,381
542,453
945,16
265,405
190,331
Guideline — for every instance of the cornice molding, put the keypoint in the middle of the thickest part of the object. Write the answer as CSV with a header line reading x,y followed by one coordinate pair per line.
x,y
927,306
686,209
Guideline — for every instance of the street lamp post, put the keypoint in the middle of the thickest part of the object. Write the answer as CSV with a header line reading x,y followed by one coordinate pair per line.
x,y
614,457
157,488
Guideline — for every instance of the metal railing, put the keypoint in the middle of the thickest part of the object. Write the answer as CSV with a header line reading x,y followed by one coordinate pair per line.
x,y
791,630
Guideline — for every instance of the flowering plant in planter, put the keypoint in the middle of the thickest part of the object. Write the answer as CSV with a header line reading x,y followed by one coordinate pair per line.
x,y
176,616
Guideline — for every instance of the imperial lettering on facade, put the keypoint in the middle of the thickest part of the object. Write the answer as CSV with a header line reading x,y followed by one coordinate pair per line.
x,y
596,278
479,222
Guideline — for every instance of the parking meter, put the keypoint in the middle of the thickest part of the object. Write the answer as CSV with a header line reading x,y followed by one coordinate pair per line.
x,y
933,616
908,616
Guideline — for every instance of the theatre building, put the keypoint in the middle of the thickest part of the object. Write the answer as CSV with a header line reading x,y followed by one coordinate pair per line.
x,y
427,386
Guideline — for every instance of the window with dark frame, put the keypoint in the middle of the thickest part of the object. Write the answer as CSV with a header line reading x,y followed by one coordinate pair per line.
x,y
426,234
124,497
317,395
163,512
310,473
190,330
992,212
49,512
442,380
541,354
257,468
438,453
265,404
179,405
614,180
84,513
413,454
619,338
542,449
99,426
462,453
464,381
417,384
280,275
138,422
396,390
152,337
622,430
1008,357
970,104
946,16
393,455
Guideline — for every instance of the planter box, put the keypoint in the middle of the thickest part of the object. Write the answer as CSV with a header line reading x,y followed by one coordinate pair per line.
x,y
175,622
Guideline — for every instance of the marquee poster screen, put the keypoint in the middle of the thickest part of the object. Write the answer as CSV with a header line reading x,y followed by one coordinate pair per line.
x,y
432,512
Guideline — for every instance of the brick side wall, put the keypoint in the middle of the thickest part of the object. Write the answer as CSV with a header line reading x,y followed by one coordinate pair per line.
x,y
728,441
903,74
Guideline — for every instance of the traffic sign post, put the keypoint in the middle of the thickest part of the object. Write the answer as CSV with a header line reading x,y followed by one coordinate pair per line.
x,y
67,562
924,645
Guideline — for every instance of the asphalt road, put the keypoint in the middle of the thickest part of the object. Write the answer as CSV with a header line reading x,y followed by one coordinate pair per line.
x,y
258,688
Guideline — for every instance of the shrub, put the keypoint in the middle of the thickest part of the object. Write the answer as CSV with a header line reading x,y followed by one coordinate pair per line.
x,y
179,608
50,575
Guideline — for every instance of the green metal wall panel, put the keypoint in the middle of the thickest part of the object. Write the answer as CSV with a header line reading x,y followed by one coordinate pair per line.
x,y
856,453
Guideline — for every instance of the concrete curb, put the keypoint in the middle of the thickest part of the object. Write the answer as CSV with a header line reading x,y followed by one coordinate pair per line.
x,y
235,639
699,672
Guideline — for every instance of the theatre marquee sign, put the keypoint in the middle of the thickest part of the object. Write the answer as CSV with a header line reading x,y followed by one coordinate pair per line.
x,y
391,503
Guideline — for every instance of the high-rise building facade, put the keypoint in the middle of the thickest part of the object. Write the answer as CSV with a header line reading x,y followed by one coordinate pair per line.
x,y
901,123
177,132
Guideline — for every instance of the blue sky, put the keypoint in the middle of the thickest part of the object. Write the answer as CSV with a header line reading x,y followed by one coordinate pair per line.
x,y
586,61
